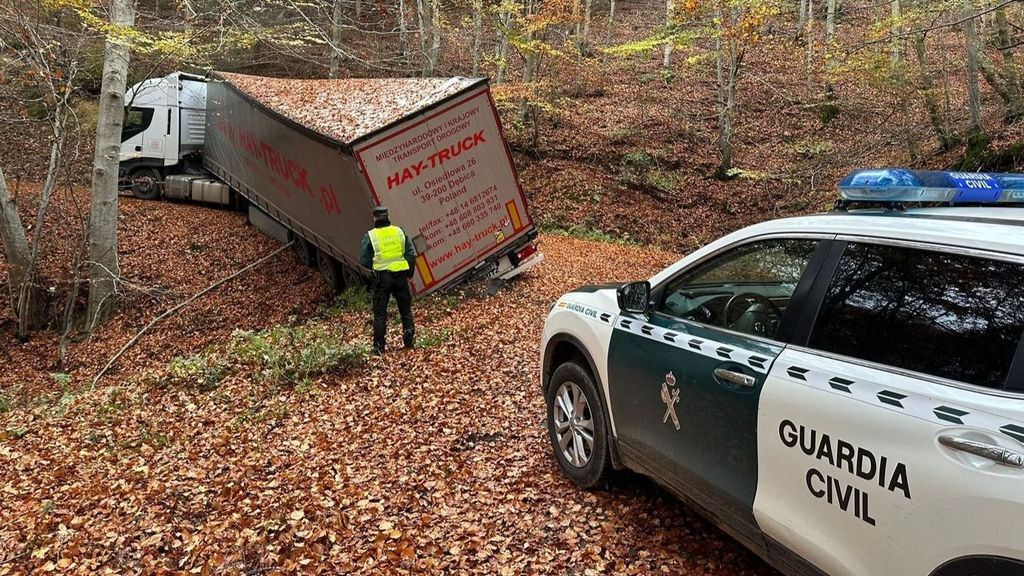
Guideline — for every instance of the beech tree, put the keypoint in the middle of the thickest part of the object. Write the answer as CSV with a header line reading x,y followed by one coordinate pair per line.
x,y
478,35
830,49
740,24
507,11
666,59
1005,80
48,61
336,28
104,267
976,137
16,251
936,118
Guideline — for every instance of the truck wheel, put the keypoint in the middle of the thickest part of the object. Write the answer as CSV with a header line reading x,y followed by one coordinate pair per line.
x,y
330,270
146,183
352,278
305,251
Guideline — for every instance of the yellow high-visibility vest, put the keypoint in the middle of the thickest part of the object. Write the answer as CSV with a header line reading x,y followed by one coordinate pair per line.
x,y
388,249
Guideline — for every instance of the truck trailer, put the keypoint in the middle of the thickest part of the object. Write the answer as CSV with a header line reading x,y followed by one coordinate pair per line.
x,y
309,159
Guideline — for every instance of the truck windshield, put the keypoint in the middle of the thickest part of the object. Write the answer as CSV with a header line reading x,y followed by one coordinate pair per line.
x,y
136,120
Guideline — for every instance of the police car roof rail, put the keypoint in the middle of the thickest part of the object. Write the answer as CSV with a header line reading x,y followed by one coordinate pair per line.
x,y
893,188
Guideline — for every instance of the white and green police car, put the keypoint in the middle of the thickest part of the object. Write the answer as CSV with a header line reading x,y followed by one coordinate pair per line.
x,y
843,392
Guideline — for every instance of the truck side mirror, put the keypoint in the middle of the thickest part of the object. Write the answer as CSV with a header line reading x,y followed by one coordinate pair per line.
x,y
635,297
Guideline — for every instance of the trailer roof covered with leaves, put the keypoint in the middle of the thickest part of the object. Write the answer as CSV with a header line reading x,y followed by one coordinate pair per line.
x,y
346,110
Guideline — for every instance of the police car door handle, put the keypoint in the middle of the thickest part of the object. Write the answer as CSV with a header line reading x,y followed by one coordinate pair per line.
x,y
735,377
992,452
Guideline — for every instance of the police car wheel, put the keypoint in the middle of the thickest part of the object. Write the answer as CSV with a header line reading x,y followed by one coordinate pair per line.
x,y
576,426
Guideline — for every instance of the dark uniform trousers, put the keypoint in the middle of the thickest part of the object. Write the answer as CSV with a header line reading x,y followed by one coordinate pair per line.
x,y
390,284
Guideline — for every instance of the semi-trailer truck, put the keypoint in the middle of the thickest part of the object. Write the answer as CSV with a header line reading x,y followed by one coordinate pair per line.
x,y
309,159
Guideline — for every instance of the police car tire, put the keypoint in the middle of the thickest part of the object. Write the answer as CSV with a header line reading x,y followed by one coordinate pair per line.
x,y
594,474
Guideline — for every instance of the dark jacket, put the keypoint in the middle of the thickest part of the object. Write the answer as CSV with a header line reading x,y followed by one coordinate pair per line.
x,y
366,248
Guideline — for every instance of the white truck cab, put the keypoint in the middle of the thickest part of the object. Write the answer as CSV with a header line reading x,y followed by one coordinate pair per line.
x,y
164,126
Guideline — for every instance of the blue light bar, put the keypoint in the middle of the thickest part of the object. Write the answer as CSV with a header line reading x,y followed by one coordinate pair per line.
x,y
900,185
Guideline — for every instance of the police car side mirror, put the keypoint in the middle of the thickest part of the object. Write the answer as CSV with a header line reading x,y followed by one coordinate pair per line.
x,y
635,297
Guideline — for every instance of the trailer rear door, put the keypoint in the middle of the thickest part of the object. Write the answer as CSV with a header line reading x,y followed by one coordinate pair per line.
x,y
448,179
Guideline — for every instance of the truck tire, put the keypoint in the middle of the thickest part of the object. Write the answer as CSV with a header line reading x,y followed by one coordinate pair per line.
x,y
304,251
146,183
330,271
352,278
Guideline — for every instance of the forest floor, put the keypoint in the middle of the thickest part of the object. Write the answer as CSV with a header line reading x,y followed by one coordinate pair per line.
x,y
282,448
433,460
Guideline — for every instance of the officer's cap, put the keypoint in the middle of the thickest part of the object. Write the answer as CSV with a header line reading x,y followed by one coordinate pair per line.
x,y
380,212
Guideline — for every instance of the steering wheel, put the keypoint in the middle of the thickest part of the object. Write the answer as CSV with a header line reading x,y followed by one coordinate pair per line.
x,y
756,318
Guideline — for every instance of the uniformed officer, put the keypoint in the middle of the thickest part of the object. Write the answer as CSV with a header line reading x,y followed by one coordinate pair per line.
x,y
388,251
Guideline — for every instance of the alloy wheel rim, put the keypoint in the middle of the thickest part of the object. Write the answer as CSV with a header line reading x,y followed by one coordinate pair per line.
x,y
574,424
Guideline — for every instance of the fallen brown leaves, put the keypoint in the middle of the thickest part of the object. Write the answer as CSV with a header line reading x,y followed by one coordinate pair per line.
x,y
429,461
346,109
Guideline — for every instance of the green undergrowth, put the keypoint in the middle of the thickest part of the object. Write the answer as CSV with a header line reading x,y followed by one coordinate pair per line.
x,y
982,157
641,169
586,231
350,300
282,355
432,338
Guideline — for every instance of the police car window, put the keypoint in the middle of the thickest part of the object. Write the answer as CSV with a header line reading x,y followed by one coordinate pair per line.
x,y
746,289
948,315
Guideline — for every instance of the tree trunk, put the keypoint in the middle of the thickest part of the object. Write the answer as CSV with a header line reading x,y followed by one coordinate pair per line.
x,y
528,71
188,15
423,21
1014,107
809,34
16,250
994,78
403,33
478,34
435,44
336,28
666,60
975,130
931,103
726,71
529,67
608,29
611,17
30,305
801,23
896,52
587,5
898,71
830,32
104,270
501,47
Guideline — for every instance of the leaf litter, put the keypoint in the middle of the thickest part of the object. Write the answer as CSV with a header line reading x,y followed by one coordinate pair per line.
x,y
431,461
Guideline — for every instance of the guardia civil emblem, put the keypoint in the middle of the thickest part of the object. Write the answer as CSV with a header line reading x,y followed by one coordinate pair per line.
x,y
670,396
